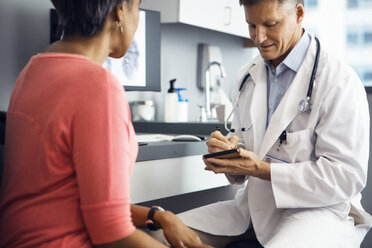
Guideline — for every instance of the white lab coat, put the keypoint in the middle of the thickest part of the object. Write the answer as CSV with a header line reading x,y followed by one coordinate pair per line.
x,y
327,152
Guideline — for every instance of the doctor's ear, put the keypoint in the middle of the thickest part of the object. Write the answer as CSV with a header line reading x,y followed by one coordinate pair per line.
x,y
300,12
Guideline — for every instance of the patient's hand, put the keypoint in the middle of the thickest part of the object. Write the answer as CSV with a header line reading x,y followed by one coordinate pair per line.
x,y
176,232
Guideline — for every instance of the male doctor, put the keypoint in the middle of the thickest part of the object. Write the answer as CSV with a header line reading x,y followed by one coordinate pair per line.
x,y
302,187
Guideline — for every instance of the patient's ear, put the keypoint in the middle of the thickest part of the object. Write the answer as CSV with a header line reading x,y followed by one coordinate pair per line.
x,y
119,12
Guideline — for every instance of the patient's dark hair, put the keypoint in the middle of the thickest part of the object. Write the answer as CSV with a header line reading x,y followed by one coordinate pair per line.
x,y
84,17
253,2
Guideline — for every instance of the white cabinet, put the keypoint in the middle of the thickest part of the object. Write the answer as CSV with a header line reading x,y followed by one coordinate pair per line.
x,y
221,15
155,179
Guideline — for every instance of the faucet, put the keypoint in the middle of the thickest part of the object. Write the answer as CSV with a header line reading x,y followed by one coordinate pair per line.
x,y
207,89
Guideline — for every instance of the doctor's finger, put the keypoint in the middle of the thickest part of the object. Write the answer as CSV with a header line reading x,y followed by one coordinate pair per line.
x,y
218,135
247,154
217,169
210,166
230,162
220,166
212,149
234,141
216,143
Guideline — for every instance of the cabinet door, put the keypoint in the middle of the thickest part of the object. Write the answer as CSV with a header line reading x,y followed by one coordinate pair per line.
x,y
237,25
202,13
222,15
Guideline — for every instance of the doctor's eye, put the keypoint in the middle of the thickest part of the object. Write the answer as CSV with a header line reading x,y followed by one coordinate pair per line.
x,y
251,26
271,25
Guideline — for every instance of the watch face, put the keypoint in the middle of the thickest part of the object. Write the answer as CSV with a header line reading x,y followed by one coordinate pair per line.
x,y
159,208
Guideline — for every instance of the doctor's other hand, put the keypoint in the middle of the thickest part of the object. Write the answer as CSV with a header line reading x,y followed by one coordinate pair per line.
x,y
217,142
247,164
177,233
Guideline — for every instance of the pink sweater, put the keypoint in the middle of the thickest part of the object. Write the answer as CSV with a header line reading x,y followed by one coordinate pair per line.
x,y
69,152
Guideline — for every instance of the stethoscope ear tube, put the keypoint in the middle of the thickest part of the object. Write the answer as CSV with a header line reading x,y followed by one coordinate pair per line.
x,y
245,79
243,82
315,68
232,111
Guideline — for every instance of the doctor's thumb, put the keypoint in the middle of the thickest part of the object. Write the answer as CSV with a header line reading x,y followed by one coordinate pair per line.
x,y
246,154
234,141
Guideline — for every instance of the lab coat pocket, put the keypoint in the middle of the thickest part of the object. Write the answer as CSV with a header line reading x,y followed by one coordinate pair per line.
x,y
248,139
298,146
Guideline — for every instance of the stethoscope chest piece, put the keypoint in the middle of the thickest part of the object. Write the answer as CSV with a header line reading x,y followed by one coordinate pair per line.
x,y
305,105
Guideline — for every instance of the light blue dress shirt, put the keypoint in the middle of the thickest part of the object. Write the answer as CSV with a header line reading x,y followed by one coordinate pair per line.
x,y
280,78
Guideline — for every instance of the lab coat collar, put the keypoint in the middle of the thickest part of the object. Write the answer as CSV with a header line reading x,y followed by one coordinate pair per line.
x,y
288,107
258,107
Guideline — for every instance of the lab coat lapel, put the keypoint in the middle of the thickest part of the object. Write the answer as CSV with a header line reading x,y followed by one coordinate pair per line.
x,y
258,108
288,107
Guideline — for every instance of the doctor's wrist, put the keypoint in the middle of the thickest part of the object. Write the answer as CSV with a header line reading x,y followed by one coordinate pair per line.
x,y
264,171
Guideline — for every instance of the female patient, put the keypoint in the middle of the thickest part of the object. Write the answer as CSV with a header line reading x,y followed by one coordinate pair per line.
x,y
70,144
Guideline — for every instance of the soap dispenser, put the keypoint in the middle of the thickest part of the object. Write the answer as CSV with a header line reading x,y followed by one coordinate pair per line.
x,y
171,102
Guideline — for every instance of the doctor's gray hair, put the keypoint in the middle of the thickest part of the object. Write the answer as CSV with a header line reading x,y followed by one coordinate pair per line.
x,y
287,3
84,17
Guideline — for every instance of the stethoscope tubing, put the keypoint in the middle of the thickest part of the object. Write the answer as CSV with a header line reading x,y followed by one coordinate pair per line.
x,y
315,68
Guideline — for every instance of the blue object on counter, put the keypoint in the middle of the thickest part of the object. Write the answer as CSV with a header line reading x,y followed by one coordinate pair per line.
x,y
180,98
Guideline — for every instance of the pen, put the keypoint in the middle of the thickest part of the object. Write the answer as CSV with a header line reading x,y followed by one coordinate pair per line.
x,y
218,129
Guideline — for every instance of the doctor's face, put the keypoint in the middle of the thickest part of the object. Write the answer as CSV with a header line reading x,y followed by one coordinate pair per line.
x,y
274,28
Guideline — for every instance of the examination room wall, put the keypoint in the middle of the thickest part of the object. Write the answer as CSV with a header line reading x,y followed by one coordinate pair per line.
x,y
179,45
24,31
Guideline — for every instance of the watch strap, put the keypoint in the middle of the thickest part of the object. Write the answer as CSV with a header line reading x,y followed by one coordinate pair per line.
x,y
150,222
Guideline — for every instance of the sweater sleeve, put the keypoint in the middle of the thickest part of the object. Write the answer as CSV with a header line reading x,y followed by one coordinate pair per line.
x,y
104,151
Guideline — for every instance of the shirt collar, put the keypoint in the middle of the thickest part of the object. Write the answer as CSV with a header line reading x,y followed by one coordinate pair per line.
x,y
295,58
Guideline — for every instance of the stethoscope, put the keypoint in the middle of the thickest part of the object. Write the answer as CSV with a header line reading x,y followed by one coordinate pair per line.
x,y
304,105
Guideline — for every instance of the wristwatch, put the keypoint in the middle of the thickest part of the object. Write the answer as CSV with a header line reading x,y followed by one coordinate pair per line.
x,y
150,222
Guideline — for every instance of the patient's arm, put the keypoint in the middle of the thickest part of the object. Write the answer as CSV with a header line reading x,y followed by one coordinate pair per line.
x,y
137,239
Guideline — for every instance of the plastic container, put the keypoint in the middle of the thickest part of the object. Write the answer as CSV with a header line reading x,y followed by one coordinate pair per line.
x,y
176,107
142,110
182,107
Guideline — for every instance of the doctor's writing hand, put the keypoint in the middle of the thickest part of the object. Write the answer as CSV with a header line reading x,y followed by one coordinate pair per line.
x,y
247,164
217,142
177,233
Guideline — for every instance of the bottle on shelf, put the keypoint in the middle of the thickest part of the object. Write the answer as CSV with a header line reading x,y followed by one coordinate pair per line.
x,y
176,107
171,101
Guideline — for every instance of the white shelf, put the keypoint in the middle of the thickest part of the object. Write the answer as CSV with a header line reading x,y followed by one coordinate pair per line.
x,y
220,15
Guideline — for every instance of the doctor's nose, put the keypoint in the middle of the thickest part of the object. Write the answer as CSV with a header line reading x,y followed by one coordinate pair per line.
x,y
260,35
